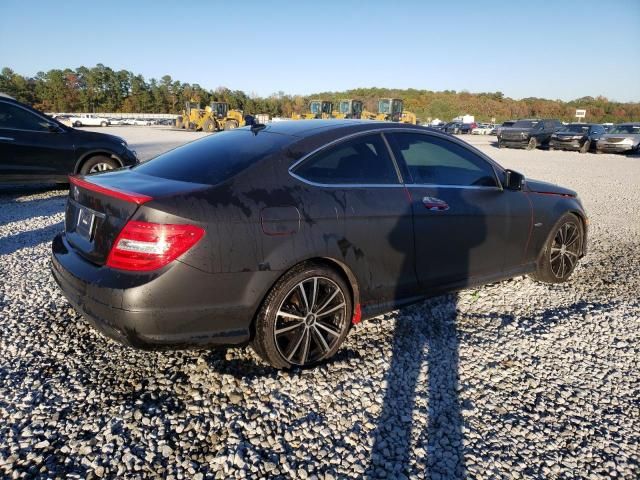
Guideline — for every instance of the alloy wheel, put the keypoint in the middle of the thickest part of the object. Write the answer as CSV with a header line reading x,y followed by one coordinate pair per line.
x,y
565,250
310,320
100,167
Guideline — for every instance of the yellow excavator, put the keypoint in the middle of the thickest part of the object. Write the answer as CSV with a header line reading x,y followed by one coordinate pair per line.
x,y
391,110
317,109
349,109
213,118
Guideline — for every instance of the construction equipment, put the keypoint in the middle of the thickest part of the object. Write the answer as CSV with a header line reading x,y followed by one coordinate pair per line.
x,y
392,110
213,118
317,109
349,109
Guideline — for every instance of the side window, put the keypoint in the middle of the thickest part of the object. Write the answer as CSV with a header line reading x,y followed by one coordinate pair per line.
x,y
17,118
436,161
357,161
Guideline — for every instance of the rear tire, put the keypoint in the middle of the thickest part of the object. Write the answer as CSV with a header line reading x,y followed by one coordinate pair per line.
x,y
561,251
230,124
533,144
304,319
77,124
586,146
99,163
103,124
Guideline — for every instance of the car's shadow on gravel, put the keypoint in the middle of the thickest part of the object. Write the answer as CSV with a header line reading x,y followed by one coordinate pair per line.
x,y
29,239
249,369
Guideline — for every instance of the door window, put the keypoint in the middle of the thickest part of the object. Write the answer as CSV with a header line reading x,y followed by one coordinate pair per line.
x,y
362,160
436,161
16,118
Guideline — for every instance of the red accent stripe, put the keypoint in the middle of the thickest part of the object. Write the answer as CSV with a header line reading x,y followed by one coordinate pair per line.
x,y
136,198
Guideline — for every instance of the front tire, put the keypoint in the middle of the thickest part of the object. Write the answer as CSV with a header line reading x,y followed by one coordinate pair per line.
x,y
98,164
561,251
586,146
304,319
533,143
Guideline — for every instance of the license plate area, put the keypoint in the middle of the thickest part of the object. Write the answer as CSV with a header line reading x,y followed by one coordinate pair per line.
x,y
85,223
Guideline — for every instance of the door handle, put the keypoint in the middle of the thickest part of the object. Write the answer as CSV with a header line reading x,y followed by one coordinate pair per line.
x,y
6,139
435,204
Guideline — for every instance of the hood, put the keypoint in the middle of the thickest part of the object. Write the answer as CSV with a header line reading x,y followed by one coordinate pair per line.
x,y
537,186
88,135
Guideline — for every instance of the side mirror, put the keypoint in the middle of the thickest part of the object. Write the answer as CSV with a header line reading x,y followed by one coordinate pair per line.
x,y
513,180
53,128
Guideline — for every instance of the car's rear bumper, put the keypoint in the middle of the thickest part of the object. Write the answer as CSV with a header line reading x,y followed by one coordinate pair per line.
x,y
181,307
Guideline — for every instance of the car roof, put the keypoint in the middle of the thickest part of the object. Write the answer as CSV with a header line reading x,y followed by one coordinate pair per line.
x,y
308,128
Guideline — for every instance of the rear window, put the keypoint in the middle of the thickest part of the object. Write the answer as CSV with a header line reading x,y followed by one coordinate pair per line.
x,y
215,158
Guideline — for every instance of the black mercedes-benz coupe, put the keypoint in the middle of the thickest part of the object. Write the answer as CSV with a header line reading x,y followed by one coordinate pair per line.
x,y
35,148
285,235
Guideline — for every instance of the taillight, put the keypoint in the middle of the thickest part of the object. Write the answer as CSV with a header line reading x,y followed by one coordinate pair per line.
x,y
144,246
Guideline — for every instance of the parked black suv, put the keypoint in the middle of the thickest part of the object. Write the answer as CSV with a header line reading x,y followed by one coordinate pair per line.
x,y
453,128
577,136
35,148
528,134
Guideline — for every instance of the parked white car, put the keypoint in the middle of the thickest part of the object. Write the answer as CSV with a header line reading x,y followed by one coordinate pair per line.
x,y
140,121
483,129
89,120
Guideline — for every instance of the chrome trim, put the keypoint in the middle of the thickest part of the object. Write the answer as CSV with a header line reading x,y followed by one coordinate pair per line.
x,y
459,187
6,139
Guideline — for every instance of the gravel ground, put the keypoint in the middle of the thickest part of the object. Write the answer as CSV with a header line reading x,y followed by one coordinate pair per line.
x,y
513,380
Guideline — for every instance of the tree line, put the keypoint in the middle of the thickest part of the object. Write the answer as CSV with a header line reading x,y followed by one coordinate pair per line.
x,y
102,89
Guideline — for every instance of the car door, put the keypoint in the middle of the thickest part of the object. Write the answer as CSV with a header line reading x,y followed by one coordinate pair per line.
x,y
32,148
372,230
462,216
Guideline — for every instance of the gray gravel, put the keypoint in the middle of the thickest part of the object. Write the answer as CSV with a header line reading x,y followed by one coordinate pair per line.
x,y
513,380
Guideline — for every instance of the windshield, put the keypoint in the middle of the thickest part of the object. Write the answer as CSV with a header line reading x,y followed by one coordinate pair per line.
x,y
384,106
576,128
526,124
314,107
344,107
634,129
397,106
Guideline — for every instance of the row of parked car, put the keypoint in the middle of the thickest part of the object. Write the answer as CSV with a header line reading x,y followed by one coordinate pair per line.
x,y
92,120
553,134
581,137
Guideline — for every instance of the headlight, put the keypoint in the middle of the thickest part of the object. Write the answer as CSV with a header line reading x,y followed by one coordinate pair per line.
x,y
524,134
576,137
627,141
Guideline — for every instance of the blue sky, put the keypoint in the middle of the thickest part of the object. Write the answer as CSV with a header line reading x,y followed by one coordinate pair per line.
x,y
566,49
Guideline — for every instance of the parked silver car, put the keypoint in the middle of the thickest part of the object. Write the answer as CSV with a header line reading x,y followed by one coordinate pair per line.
x,y
624,137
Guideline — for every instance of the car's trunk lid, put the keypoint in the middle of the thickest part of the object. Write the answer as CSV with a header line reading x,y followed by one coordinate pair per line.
x,y
99,206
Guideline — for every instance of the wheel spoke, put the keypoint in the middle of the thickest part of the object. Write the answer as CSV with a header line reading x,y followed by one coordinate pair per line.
x,y
306,345
288,328
331,310
331,297
574,238
289,315
569,261
304,296
556,256
314,294
323,342
327,329
297,345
